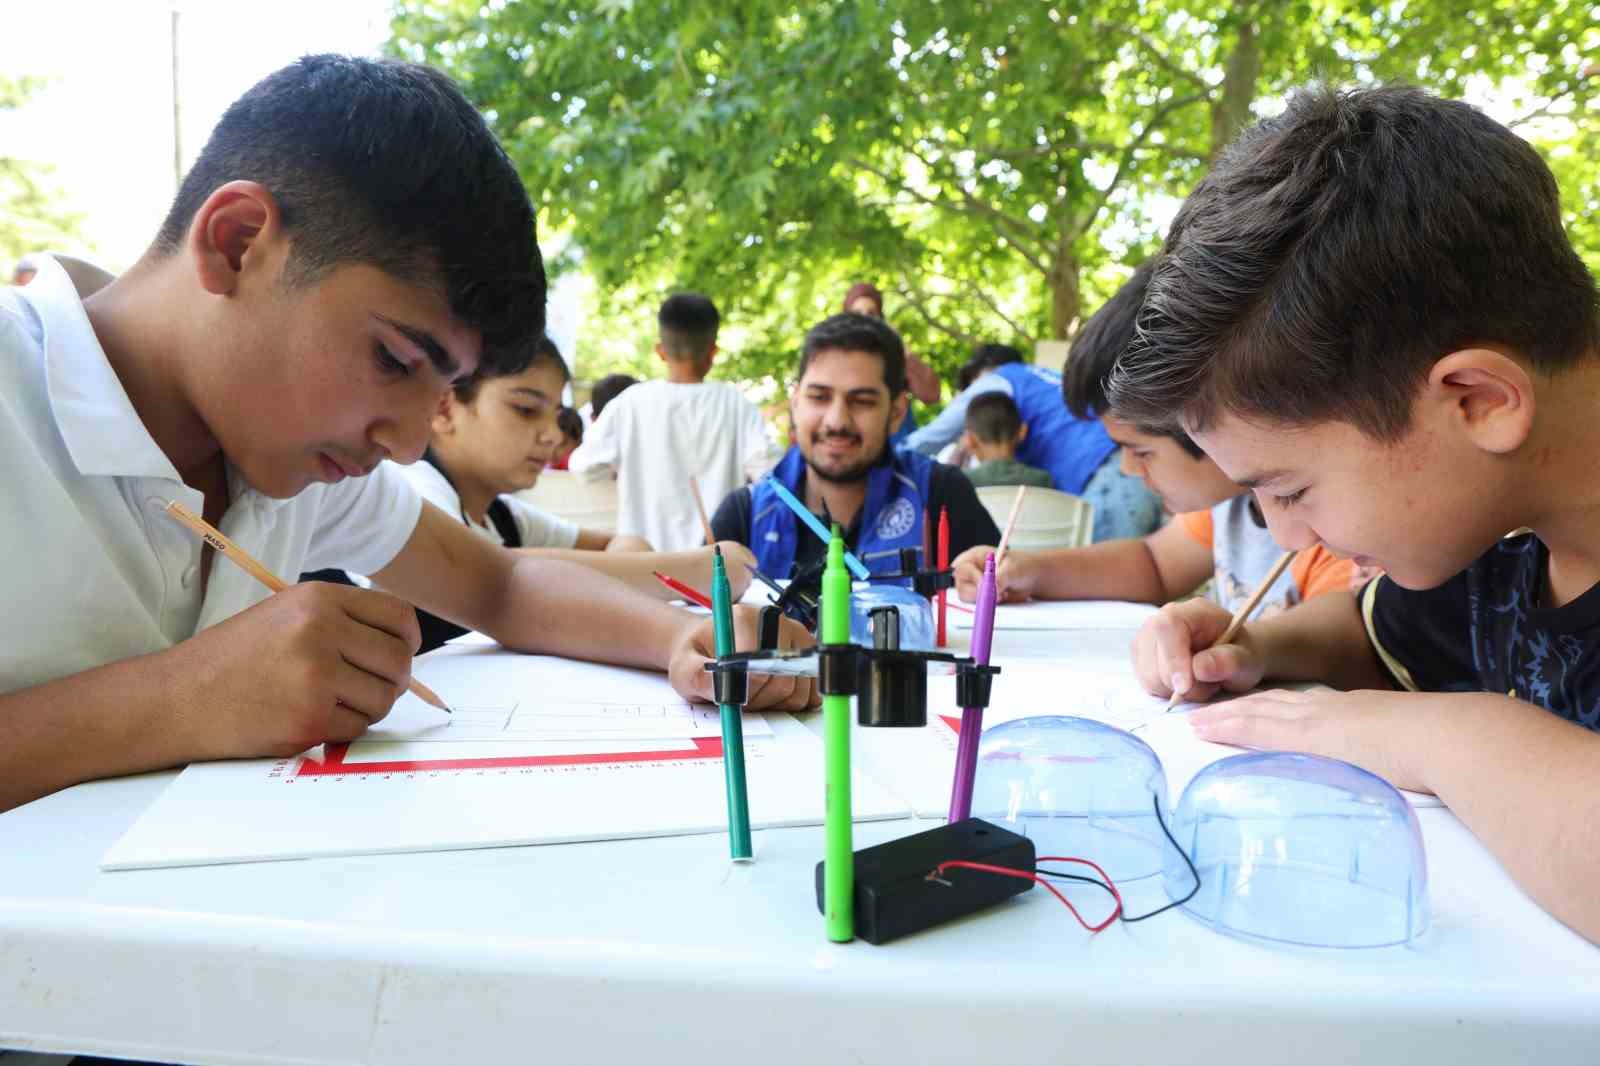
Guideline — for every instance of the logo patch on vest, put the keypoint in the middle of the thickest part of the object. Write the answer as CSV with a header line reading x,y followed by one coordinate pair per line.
x,y
896,520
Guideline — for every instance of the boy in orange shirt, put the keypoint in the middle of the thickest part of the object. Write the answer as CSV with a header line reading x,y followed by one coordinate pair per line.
x,y
1219,532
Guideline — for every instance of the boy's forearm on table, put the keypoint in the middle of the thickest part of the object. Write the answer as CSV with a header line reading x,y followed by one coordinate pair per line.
x,y
126,717
555,607
1522,780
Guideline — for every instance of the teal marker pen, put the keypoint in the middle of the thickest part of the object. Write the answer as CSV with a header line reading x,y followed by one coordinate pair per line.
x,y
732,725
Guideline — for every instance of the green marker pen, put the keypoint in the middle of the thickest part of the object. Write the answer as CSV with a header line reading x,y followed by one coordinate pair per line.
x,y
732,725
838,870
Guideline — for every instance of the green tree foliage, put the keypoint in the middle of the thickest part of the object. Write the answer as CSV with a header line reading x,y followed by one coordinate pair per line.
x,y
31,216
996,167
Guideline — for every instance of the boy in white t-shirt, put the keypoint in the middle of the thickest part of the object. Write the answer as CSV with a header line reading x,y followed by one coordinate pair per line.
x,y
659,434
320,281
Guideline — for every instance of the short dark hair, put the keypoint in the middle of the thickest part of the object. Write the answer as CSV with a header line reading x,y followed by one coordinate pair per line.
x,y
968,373
1099,343
384,163
993,418
688,324
1335,252
993,354
606,389
1094,353
543,350
851,332
570,423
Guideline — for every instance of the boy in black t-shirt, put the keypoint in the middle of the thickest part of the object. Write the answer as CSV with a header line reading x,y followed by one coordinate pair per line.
x,y
1368,312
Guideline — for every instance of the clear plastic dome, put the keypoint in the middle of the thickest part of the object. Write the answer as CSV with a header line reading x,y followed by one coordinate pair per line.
x,y
916,614
1300,849
1075,787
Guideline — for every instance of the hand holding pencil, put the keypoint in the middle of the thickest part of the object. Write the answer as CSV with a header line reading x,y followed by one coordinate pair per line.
x,y
1195,648
373,641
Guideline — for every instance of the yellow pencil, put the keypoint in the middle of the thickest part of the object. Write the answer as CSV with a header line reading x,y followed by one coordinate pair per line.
x,y
1011,524
700,505
1244,612
246,562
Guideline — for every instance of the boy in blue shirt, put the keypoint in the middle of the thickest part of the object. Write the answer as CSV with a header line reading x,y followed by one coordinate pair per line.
x,y
1368,312
1077,453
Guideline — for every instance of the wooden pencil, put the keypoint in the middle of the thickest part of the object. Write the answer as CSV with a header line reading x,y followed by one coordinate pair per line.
x,y
247,562
1011,524
700,505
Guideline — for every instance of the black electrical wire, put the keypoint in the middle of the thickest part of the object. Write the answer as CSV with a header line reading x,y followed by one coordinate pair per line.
x,y
1155,802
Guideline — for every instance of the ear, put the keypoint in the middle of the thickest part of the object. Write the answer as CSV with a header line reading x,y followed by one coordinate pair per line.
x,y
711,356
233,231
1488,394
897,409
1022,434
969,443
661,352
444,416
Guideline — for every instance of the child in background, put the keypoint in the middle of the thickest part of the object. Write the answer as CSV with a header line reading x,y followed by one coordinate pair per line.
x,y
605,390
994,429
493,436
656,435
570,424
1218,533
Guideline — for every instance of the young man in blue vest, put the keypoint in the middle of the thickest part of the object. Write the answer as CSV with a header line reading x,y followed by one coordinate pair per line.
x,y
850,394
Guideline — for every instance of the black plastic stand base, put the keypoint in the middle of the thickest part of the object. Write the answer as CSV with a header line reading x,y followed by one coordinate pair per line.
x,y
895,898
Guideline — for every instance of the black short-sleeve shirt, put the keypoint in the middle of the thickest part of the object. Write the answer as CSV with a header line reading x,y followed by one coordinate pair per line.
x,y
1484,631
970,522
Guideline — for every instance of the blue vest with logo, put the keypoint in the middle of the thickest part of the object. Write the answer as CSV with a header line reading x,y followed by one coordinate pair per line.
x,y
1070,448
897,495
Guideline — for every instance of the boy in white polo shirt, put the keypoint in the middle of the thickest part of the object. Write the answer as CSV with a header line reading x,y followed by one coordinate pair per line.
x,y
320,281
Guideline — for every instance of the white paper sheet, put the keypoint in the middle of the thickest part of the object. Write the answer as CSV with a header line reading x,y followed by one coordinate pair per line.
x,y
919,764
404,791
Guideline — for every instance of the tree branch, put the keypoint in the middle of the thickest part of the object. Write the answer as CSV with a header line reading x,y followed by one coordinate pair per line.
x,y
1130,150
919,305
988,301
1164,61
976,208
1542,112
1014,232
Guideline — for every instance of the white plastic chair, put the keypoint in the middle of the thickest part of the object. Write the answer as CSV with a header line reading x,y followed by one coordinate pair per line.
x,y
1049,518
589,504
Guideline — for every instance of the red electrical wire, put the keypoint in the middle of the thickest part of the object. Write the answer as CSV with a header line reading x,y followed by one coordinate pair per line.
x,y
1026,876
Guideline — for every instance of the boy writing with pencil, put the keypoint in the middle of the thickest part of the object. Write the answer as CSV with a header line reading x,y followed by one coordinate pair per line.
x,y
1218,532
1369,313
319,282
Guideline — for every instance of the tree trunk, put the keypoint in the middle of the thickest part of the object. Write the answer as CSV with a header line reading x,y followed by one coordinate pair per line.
x,y
1230,112
1064,293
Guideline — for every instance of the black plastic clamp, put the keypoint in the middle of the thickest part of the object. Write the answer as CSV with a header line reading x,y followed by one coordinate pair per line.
x,y
837,666
974,681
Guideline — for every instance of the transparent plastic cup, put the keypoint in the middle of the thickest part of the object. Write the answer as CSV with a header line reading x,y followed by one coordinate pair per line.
x,y
1075,787
916,614
1299,849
